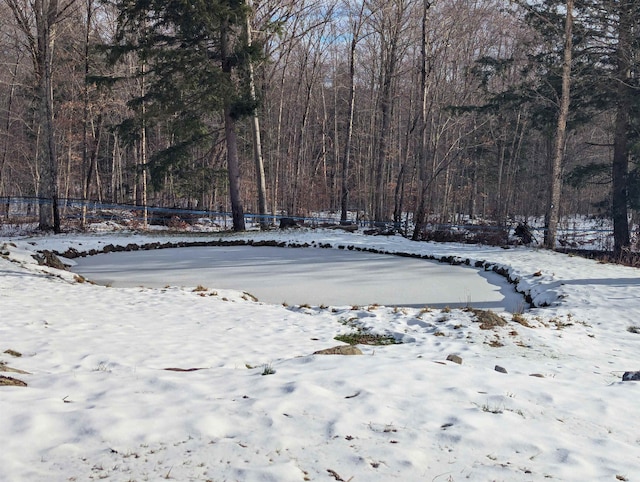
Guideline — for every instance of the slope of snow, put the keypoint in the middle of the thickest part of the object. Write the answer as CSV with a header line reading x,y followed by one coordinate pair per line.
x,y
101,404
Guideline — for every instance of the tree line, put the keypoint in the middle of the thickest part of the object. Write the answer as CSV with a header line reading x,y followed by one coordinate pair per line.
x,y
403,110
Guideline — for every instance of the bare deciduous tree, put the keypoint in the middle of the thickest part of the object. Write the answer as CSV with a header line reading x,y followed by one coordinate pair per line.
x,y
555,187
38,21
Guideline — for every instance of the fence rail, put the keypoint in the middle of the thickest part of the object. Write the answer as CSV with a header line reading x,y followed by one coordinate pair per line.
x,y
22,210
25,209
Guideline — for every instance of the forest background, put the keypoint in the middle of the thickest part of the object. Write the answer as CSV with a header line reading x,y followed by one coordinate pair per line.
x,y
403,110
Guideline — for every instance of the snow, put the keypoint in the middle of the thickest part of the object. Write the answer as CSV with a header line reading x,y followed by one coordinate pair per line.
x,y
101,404
306,276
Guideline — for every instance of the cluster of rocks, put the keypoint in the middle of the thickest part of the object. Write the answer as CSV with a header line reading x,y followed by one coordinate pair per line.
x,y
627,377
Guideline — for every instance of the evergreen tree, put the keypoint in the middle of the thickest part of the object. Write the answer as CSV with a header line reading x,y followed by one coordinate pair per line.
x,y
613,46
194,60
603,78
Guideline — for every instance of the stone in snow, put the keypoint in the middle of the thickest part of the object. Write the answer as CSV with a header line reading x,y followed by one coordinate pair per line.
x,y
631,376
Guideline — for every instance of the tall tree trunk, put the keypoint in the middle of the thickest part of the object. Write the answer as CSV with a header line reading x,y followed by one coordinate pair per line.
x,y
46,18
231,139
388,72
423,190
299,142
379,198
7,124
261,183
620,169
87,164
399,197
143,146
233,168
346,157
555,189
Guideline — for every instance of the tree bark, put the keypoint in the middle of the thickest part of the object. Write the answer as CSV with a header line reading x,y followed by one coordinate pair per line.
x,y
7,124
379,198
261,183
420,215
87,158
391,27
620,168
346,157
231,138
46,13
555,188
233,168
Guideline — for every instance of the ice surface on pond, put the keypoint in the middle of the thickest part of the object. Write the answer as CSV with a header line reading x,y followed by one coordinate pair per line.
x,y
307,275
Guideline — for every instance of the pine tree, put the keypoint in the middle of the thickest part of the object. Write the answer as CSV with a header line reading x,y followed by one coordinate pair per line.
x,y
195,61
603,78
614,47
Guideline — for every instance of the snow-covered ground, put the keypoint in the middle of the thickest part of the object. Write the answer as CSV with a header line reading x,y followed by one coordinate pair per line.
x,y
251,402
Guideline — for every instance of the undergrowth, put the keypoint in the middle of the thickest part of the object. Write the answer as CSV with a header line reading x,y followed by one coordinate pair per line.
x,y
361,337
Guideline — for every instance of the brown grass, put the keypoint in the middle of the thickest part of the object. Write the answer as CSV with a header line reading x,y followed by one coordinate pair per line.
x,y
12,382
519,318
488,319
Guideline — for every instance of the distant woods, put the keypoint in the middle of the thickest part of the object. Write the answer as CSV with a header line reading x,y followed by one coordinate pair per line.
x,y
401,110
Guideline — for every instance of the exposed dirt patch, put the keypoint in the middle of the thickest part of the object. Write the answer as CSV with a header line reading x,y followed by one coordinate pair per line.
x,y
11,382
488,319
7,368
364,338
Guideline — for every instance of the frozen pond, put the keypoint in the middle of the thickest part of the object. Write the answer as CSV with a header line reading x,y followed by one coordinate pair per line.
x,y
307,275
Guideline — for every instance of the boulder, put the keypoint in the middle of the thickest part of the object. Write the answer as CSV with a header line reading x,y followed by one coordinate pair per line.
x,y
340,350
631,377
47,258
455,359
523,233
286,223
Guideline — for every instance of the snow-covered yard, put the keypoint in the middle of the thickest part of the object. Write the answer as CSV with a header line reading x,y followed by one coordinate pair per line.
x,y
208,384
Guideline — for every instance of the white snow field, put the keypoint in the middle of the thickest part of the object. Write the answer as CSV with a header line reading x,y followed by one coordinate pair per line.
x,y
246,398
